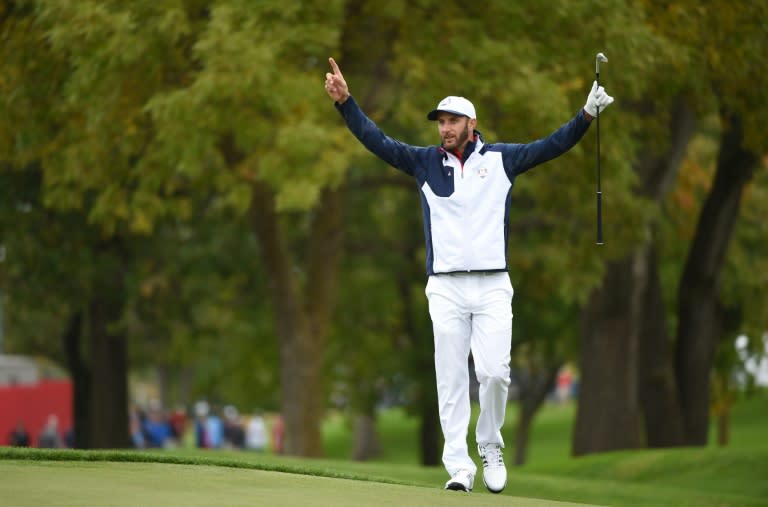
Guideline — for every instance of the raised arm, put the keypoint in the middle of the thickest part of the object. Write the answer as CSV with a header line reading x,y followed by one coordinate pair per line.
x,y
398,154
518,158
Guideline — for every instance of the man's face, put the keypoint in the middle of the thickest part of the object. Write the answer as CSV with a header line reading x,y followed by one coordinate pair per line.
x,y
454,130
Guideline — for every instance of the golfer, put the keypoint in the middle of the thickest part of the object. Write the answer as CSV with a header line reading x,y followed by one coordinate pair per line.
x,y
465,186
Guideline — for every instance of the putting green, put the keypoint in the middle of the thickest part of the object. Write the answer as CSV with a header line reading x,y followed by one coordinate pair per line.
x,y
88,484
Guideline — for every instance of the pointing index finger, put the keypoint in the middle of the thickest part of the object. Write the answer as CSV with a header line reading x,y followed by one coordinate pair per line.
x,y
334,66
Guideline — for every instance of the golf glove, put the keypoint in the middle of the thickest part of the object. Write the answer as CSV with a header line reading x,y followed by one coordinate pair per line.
x,y
597,98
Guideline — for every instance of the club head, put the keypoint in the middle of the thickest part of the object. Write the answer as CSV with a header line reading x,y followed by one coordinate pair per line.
x,y
600,57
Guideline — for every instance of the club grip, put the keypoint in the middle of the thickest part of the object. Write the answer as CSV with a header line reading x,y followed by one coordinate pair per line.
x,y
599,218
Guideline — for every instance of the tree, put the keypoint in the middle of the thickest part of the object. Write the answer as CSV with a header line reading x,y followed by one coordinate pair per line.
x,y
130,153
700,311
52,277
673,400
739,104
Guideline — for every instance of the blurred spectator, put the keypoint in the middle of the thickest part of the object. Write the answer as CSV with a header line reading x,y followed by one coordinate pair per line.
x,y
564,385
50,438
178,422
136,419
157,429
69,438
234,435
201,417
214,430
19,436
256,432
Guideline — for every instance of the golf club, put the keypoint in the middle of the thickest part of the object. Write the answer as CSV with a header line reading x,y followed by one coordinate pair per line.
x,y
600,57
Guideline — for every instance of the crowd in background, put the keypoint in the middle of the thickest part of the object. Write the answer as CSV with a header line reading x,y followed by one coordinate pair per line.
x,y
205,428
157,428
50,437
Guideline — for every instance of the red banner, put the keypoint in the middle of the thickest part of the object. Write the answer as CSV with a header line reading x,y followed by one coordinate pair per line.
x,y
32,404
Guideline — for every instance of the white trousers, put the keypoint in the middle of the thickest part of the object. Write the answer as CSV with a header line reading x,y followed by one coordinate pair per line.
x,y
470,312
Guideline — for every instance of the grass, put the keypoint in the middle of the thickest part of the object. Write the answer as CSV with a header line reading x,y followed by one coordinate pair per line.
x,y
717,477
398,434
28,483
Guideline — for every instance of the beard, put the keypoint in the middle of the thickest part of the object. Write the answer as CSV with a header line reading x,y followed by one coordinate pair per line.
x,y
463,136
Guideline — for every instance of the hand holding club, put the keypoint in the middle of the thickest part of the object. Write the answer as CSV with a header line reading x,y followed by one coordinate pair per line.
x,y
597,100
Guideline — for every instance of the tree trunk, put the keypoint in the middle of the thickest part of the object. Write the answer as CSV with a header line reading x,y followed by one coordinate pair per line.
x,y
658,391
660,404
301,311
699,315
417,328
608,415
533,392
81,381
109,362
522,437
302,398
430,437
367,444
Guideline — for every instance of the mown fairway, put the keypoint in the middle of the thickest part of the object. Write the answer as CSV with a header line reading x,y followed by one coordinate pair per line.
x,y
717,477
33,483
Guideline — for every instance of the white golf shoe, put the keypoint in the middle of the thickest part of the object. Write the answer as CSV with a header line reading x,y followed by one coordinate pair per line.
x,y
461,481
494,471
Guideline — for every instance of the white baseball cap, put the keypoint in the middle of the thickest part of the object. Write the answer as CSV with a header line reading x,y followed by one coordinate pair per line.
x,y
453,105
